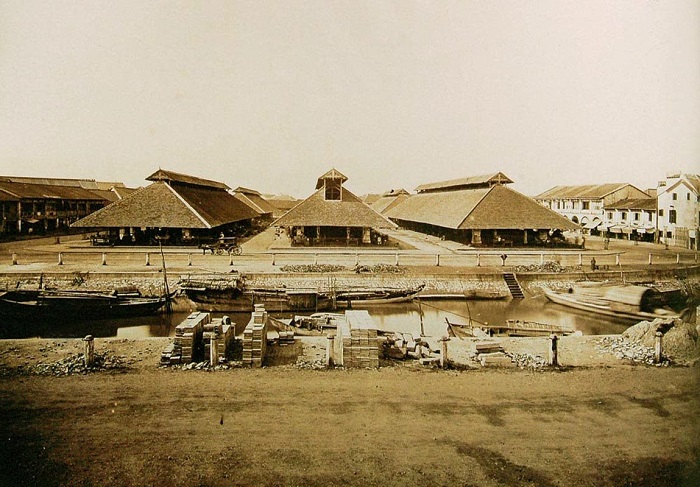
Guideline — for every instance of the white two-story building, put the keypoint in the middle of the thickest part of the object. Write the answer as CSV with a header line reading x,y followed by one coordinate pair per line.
x,y
586,204
678,216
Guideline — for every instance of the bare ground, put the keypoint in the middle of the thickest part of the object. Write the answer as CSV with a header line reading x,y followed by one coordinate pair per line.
x,y
595,424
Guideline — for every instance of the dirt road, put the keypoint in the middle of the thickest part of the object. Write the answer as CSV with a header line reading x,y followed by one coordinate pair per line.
x,y
612,426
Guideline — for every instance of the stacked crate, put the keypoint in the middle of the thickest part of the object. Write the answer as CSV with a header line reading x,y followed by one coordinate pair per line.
x,y
358,340
255,338
224,331
187,347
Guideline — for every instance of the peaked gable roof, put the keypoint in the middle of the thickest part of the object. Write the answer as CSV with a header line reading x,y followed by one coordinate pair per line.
x,y
161,206
692,182
255,201
21,190
485,180
349,211
634,204
389,200
332,174
497,207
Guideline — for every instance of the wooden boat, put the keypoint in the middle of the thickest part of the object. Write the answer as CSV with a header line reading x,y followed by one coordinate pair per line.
x,y
373,296
512,328
70,305
626,301
231,294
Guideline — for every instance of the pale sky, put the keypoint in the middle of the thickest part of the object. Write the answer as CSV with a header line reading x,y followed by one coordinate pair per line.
x,y
270,95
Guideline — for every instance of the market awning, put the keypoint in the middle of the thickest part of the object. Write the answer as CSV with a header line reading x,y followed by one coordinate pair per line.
x,y
615,229
645,230
591,225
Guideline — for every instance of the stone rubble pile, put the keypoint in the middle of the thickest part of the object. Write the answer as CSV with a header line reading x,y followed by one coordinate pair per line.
x,y
379,269
548,266
304,268
75,364
625,349
528,360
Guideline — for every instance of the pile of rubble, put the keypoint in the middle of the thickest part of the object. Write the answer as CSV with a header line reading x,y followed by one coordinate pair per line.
x,y
379,269
319,268
75,364
548,266
625,349
680,341
528,360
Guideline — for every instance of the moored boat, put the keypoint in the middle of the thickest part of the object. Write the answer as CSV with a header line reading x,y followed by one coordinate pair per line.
x,y
74,305
372,296
511,328
625,301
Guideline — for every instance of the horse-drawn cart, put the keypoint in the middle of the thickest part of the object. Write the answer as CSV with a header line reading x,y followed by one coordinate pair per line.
x,y
223,246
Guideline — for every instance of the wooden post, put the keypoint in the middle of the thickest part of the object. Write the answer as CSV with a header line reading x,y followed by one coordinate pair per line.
x,y
104,258
678,258
230,258
60,258
478,260
396,259
658,349
443,352
542,258
214,349
148,259
554,351
315,259
89,356
437,260
649,258
14,258
617,260
189,259
329,350
273,259
580,259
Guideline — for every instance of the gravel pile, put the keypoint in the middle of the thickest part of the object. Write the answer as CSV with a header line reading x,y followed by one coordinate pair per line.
x,y
625,349
75,364
379,269
527,360
548,266
680,340
304,268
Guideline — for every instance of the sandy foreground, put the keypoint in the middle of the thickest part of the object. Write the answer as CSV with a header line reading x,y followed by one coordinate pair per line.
x,y
597,421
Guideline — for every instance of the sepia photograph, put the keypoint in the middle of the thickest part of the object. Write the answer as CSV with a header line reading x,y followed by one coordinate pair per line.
x,y
358,243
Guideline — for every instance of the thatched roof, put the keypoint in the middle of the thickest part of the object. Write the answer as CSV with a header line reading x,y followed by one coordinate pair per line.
x,y
254,200
498,207
350,211
20,190
160,205
483,181
174,177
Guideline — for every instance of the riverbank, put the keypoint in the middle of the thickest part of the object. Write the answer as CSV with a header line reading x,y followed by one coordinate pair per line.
x,y
135,424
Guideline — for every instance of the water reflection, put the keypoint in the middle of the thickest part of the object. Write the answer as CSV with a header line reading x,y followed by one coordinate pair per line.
x,y
427,317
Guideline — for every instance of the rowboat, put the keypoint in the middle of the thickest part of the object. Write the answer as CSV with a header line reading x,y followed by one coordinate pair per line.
x,y
512,328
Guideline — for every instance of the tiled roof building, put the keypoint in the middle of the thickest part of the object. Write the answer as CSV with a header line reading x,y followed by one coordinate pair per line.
x,y
333,216
184,208
478,211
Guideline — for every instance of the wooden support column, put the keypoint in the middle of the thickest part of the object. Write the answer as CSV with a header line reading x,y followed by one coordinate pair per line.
x,y
148,259
89,355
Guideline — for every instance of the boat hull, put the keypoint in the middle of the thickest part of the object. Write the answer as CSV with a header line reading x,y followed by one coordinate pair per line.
x,y
600,308
66,307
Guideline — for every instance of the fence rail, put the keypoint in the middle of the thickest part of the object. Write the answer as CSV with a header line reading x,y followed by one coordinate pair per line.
x,y
594,260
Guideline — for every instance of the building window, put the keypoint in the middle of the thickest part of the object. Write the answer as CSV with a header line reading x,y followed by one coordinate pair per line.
x,y
675,196
672,216
586,205
623,216
636,217
333,189
661,212
610,215
669,234
687,196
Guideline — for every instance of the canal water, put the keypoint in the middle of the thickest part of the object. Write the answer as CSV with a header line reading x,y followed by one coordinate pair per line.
x,y
426,317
